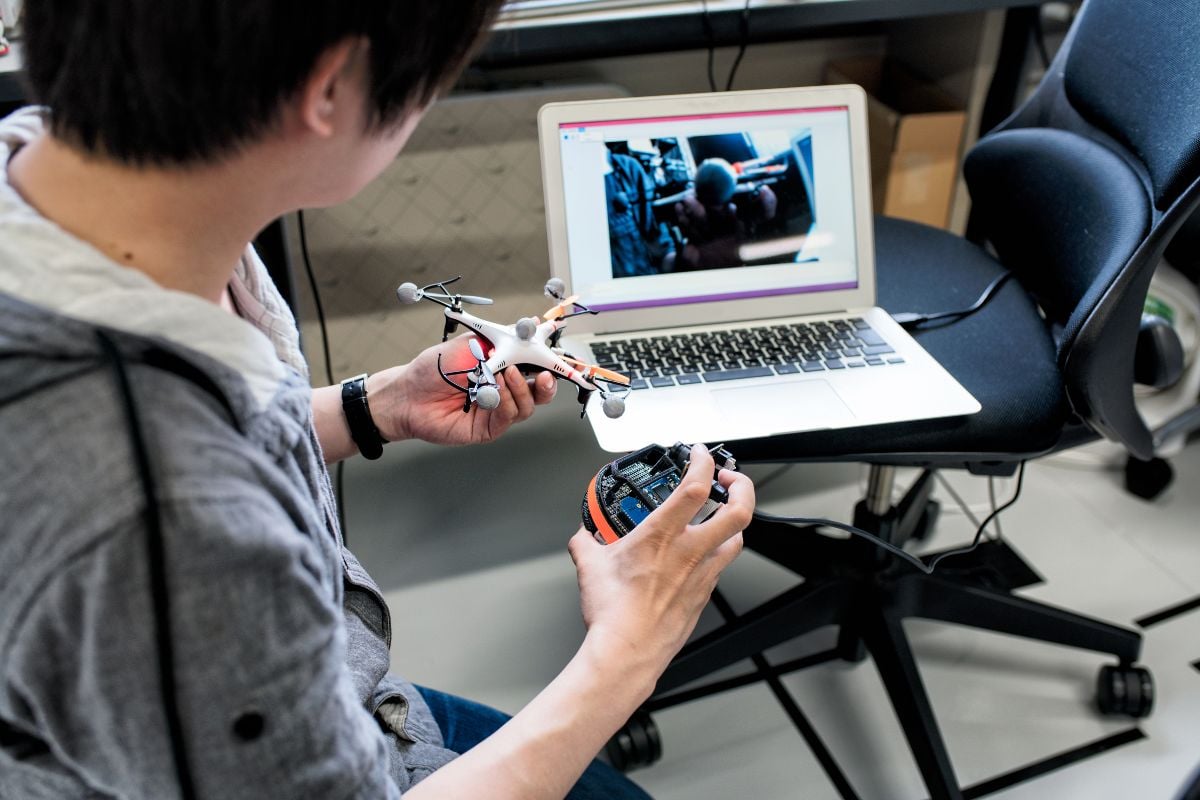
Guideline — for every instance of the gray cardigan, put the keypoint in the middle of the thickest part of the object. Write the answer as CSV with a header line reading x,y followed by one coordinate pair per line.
x,y
273,619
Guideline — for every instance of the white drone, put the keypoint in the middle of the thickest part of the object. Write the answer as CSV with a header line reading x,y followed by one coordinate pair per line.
x,y
531,345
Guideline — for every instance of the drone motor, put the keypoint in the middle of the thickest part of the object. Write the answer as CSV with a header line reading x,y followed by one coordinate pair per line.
x,y
625,492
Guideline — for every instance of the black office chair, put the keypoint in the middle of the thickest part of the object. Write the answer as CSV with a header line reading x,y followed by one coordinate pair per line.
x,y
1079,192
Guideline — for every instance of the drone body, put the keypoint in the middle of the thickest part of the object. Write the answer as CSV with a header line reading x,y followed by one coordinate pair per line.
x,y
531,345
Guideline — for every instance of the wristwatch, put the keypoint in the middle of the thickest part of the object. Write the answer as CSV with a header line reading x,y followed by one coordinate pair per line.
x,y
358,417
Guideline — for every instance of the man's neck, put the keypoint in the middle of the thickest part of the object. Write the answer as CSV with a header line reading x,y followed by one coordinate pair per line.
x,y
184,228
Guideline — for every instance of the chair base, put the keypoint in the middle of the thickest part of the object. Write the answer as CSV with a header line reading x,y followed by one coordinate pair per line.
x,y
868,594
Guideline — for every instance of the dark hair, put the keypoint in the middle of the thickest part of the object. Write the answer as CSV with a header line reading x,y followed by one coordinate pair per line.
x,y
184,81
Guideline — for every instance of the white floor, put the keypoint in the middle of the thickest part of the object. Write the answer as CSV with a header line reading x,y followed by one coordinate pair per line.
x,y
469,545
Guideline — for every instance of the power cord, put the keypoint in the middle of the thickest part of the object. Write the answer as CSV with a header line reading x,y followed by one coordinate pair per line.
x,y
711,37
909,320
992,497
744,34
339,470
891,548
706,23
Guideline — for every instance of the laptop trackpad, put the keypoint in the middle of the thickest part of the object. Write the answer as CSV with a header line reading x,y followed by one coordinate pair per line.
x,y
781,407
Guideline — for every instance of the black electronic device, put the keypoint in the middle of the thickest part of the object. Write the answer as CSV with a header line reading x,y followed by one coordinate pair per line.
x,y
625,491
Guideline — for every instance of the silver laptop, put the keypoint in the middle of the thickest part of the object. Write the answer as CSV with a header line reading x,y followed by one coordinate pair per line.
x,y
726,242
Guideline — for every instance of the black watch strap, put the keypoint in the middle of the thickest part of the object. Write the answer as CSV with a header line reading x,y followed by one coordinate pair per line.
x,y
358,417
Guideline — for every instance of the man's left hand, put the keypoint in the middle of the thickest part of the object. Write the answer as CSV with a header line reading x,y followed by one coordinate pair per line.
x,y
413,402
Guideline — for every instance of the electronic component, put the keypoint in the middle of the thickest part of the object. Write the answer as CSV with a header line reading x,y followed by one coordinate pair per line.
x,y
627,490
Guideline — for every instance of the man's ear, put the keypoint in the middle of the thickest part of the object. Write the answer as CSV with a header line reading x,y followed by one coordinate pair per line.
x,y
327,86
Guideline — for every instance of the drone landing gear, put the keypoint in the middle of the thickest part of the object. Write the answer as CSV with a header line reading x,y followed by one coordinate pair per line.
x,y
583,395
482,391
450,327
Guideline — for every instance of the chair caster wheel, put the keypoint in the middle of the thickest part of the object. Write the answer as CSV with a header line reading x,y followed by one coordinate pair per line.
x,y
1147,479
637,744
1127,691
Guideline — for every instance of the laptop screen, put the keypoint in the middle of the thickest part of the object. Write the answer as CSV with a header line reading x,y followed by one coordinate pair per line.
x,y
674,210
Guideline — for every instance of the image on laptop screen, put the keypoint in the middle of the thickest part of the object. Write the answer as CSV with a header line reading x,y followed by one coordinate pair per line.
x,y
701,208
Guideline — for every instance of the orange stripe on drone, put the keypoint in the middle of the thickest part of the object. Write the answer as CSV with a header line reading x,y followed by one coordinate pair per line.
x,y
592,371
560,309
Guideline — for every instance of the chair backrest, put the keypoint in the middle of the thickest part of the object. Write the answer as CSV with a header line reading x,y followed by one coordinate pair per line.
x,y
1081,190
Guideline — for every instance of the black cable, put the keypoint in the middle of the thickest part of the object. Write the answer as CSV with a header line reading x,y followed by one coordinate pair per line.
x,y
909,320
710,37
156,559
891,548
339,470
992,499
744,34
316,294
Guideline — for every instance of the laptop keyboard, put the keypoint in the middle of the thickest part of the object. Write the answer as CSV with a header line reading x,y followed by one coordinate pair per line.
x,y
728,355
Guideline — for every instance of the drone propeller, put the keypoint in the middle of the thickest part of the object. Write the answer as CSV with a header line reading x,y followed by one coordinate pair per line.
x,y
409,293
555,288
594,372
475,299
558,311
609,375
452,299
477,351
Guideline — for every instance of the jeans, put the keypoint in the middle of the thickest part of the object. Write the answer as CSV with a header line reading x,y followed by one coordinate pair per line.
x,y
465,723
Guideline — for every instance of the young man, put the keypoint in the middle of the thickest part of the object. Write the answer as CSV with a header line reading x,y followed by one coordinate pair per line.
x,y
178,616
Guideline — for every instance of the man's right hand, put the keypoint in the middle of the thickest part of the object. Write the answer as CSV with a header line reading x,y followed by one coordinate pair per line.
x,y
642,595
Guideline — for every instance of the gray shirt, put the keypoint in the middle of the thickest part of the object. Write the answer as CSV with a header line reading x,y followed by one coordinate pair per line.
x,y
281,639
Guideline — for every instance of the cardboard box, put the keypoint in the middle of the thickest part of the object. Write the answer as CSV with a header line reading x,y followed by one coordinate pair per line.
x,y
916,133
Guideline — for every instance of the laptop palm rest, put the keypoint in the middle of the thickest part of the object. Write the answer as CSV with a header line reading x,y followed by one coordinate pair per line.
x,y
780,407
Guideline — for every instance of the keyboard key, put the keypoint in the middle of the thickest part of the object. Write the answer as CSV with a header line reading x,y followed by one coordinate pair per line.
x,y
874,361
834,363
895,360
850,352
870,337
860,324
812,366
832,354
737,374
688,377
877,349
639,383
661,382
855,363
786,369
